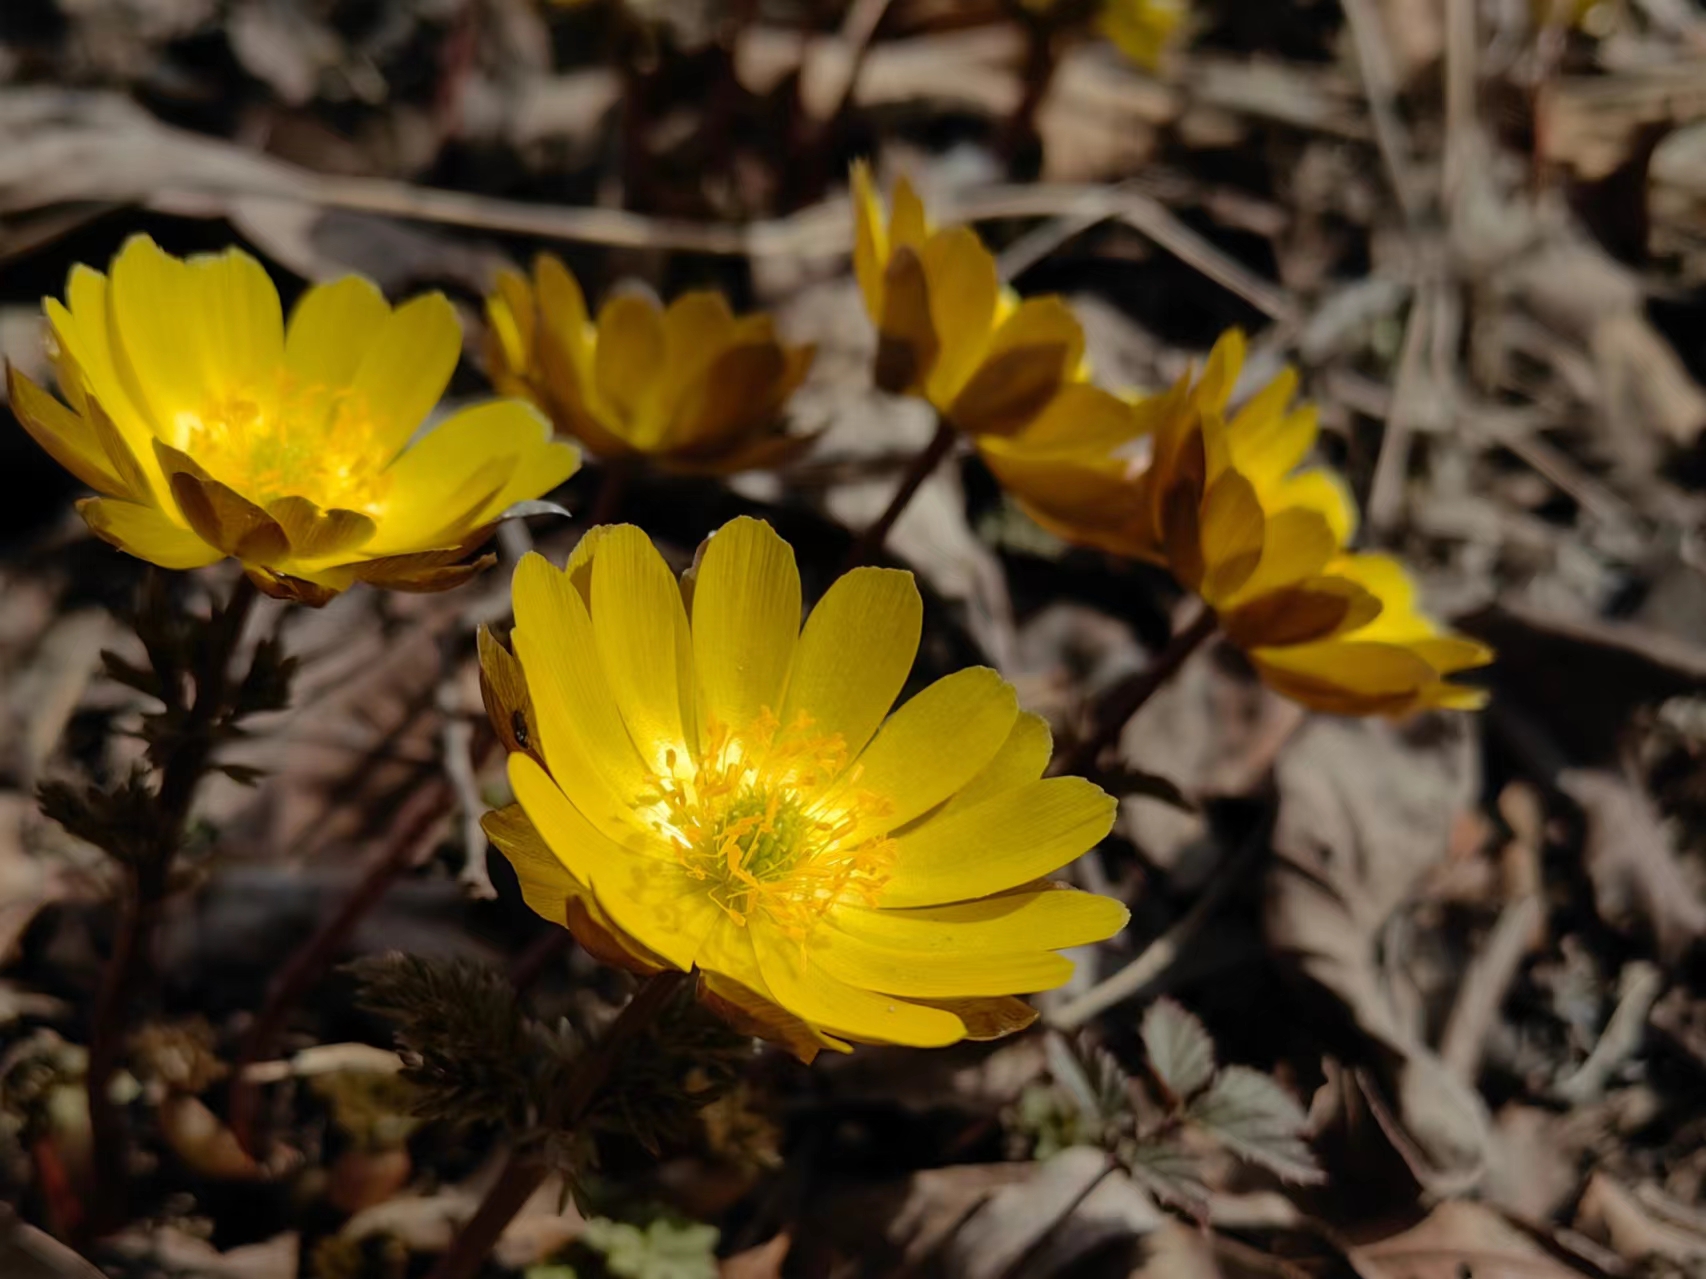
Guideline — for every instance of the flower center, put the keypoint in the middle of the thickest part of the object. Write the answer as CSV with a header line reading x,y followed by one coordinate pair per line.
x,y
318,442
758,821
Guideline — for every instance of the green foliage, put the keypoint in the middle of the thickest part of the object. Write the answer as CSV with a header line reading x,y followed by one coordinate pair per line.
x,y
473,1054
663,1249
1091,1100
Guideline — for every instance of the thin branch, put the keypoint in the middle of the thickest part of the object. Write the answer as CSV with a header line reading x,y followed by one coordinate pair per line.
x,y
870,544
1116,707
149,880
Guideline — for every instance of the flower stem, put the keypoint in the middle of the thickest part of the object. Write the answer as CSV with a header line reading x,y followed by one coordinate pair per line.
x,y
1116,707
149,877
526,1171
870,543
420,813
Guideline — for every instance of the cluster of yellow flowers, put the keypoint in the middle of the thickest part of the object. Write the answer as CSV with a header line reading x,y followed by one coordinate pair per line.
x,y
1219,500
702,784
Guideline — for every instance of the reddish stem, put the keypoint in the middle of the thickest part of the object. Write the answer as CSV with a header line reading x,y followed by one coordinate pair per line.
x,y
1116,707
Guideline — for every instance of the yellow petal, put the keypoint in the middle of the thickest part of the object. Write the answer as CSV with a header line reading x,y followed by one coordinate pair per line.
x,y
331,329
732,397
503,690
407,365
1009,840
933,745
755,1012
1086,501
871,965
219,514
1031,919
644,644
421,572
807,991
582,736
563,322
964,289
855,653
1233,534
1452,652
629,358
907,342
1081,418
81,349
1347,677
1297,543
1022,758
224,341
512,316
870,239
1267,441
1300,613
555,894
463,472
67,438
1033,352
1323,492
650,900
1220,373
746,619
145,532
316,534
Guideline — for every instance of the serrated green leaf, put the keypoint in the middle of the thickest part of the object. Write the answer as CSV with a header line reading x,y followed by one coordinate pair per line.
x,y
1180,1050
1256,1119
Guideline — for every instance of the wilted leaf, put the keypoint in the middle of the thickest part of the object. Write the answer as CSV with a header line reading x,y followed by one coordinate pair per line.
x,y
1631,861
1259,1121
1179,1049
27,1253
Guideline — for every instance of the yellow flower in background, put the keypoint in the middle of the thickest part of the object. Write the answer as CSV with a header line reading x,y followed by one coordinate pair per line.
x,y
1143,30
947,330
1382,656
703,785
212,430
1236,520
1228,507
691,386
1072,468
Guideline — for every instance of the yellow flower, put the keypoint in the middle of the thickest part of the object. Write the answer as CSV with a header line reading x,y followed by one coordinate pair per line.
x,y
1224,505
947,331
691,385
212,430
1381,656
703,785
1143,30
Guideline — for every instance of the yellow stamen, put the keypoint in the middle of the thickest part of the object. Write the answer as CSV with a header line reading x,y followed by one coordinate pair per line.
x,y
753,820
316,442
